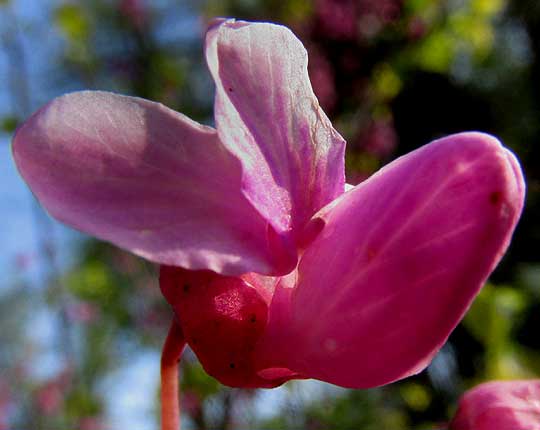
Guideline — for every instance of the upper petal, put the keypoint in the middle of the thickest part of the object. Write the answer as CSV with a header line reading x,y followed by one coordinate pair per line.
x,y
500,405
400,259
266,114
148,179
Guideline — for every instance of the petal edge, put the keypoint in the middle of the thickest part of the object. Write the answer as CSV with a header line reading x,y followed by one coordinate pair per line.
x,y
148,179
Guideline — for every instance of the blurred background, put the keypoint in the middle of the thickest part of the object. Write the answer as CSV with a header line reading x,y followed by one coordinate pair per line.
x,y
82,323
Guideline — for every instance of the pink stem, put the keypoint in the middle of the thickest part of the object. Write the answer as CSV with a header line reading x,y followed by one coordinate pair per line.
x,y
170,403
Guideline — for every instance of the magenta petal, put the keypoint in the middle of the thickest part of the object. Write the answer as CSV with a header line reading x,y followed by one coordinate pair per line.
x,y
149,180
500,405
267,115
400,259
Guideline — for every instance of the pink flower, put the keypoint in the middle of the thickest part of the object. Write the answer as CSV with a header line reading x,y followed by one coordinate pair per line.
x,y
338,19
135,11
192,402
508,405
49,398
380,138
321,75
273,270
6,400
91,423
82,312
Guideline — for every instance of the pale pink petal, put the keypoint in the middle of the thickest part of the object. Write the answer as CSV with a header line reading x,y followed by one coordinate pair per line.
x,y
148,179
500,405
399,260
266,114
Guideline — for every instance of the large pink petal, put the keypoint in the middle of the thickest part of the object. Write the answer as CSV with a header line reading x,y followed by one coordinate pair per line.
x,y
500,405
266,114
399,261
149,180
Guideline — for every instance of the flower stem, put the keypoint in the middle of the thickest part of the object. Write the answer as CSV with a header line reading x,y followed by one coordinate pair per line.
x,y
170,356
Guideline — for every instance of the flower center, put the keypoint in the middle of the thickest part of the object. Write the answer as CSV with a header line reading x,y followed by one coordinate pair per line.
x,y
222,319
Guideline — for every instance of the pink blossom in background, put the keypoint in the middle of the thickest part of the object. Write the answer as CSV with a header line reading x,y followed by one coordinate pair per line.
x,y
417,28
6,401
386,11
354,19
380,138
337,18
49,397
500,405
192,402
82,312
135,11
273,271
321,76
23,261
91,423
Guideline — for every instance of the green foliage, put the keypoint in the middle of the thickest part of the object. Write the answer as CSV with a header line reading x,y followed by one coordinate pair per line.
x,y
196,380
416,396
465,31
8,124
80,403
360,409
436,52
492,320
386,81
72,20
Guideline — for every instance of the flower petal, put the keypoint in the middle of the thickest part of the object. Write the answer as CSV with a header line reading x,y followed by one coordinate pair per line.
x,y
400,259
500,405
223,318
267,114
148,179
